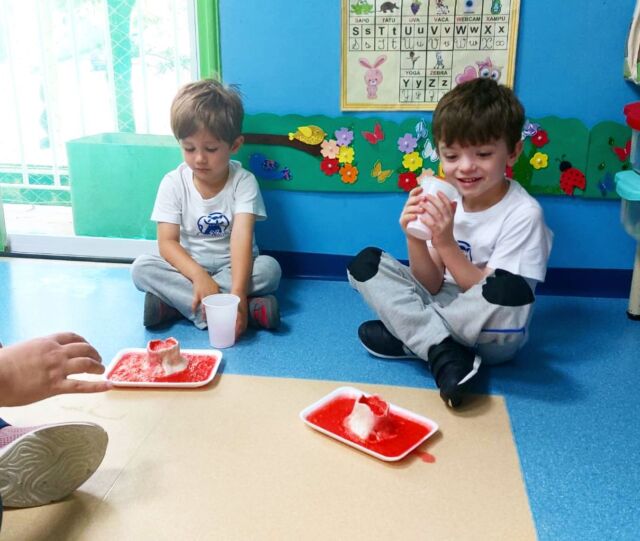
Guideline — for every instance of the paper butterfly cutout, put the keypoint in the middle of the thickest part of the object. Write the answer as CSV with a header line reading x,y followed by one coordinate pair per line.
x,y
421,130
380,174
375,136
429,152
623,152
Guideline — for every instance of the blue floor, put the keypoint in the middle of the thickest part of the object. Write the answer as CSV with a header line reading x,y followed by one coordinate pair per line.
x,y
572,394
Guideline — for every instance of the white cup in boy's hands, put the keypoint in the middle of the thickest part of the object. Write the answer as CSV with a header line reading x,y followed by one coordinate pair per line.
x,y
430,186
221,310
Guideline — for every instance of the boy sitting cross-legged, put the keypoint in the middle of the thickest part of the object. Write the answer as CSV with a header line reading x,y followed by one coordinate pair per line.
x,y
206,210
467,294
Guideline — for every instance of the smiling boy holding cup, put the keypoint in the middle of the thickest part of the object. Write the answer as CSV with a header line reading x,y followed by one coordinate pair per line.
x,y
468,293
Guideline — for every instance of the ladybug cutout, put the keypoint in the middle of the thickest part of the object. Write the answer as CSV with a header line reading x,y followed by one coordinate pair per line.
x,y
571,178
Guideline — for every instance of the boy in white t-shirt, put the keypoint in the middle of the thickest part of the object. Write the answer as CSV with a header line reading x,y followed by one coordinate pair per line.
x,y
206,210
468,293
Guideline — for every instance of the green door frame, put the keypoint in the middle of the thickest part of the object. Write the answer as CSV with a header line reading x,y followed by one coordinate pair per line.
x,y
208,36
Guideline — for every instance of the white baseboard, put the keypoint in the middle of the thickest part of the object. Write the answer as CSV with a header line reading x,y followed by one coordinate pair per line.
x,y
79,247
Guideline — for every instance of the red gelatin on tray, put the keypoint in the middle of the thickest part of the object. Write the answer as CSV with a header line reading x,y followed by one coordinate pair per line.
x,y
136,367
399,432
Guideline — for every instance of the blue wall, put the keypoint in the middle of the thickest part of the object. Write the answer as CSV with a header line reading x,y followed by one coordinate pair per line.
x,y
286,57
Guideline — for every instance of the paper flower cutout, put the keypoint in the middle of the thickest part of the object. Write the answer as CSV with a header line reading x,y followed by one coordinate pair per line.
x,y
539,160
329,148
540,138
412,161
407,181
329,166
344,136
530,129
349,173
407,143
346,154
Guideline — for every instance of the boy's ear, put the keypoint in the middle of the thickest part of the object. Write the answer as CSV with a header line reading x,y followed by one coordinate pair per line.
x,y
517,150
237,144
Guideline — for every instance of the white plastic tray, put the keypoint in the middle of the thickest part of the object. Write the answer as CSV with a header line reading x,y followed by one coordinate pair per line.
x,y
136,383
352,392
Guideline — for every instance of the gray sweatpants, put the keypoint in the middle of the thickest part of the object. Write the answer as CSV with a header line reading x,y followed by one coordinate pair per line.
x,y
154,274
491,316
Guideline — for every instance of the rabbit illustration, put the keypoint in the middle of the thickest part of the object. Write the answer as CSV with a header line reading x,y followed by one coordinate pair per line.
x,y
373,76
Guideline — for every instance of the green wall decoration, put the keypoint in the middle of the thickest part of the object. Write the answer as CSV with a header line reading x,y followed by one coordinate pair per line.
x,y
609,148
560,157
303,160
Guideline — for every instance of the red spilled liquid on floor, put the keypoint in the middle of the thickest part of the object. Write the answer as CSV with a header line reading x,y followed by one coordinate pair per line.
x,y
425,457
135,367
406,432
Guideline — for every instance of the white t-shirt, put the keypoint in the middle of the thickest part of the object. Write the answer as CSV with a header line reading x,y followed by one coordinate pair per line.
x,y
510,235
205,224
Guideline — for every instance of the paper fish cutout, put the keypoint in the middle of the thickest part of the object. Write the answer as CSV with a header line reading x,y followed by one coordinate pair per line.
x,y
375,136
266,169
623,152
311,135
380,174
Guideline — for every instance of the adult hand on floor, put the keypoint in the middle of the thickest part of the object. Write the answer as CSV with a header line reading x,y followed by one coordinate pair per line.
x,y
39,368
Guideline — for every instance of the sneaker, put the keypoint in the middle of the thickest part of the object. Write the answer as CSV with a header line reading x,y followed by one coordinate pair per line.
x,y
43,464
378,341
453,367
264,312
157,312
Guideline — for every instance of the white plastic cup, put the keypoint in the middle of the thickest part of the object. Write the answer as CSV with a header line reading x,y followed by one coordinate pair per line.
x,y
430,186
221,310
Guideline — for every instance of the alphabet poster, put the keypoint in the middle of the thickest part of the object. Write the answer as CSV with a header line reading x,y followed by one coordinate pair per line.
x,y
406,54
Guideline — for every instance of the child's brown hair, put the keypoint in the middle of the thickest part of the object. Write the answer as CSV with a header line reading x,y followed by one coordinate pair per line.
x,y
477,112
210,105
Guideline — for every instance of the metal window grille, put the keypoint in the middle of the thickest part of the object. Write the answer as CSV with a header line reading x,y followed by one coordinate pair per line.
x,y
72,68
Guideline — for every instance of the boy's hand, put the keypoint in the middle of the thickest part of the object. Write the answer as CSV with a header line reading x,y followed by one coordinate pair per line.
x,y
438,216
203,287
243,317
412,208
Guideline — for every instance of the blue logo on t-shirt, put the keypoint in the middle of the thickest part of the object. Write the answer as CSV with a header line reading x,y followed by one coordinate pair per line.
x,y
215,224
466,249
